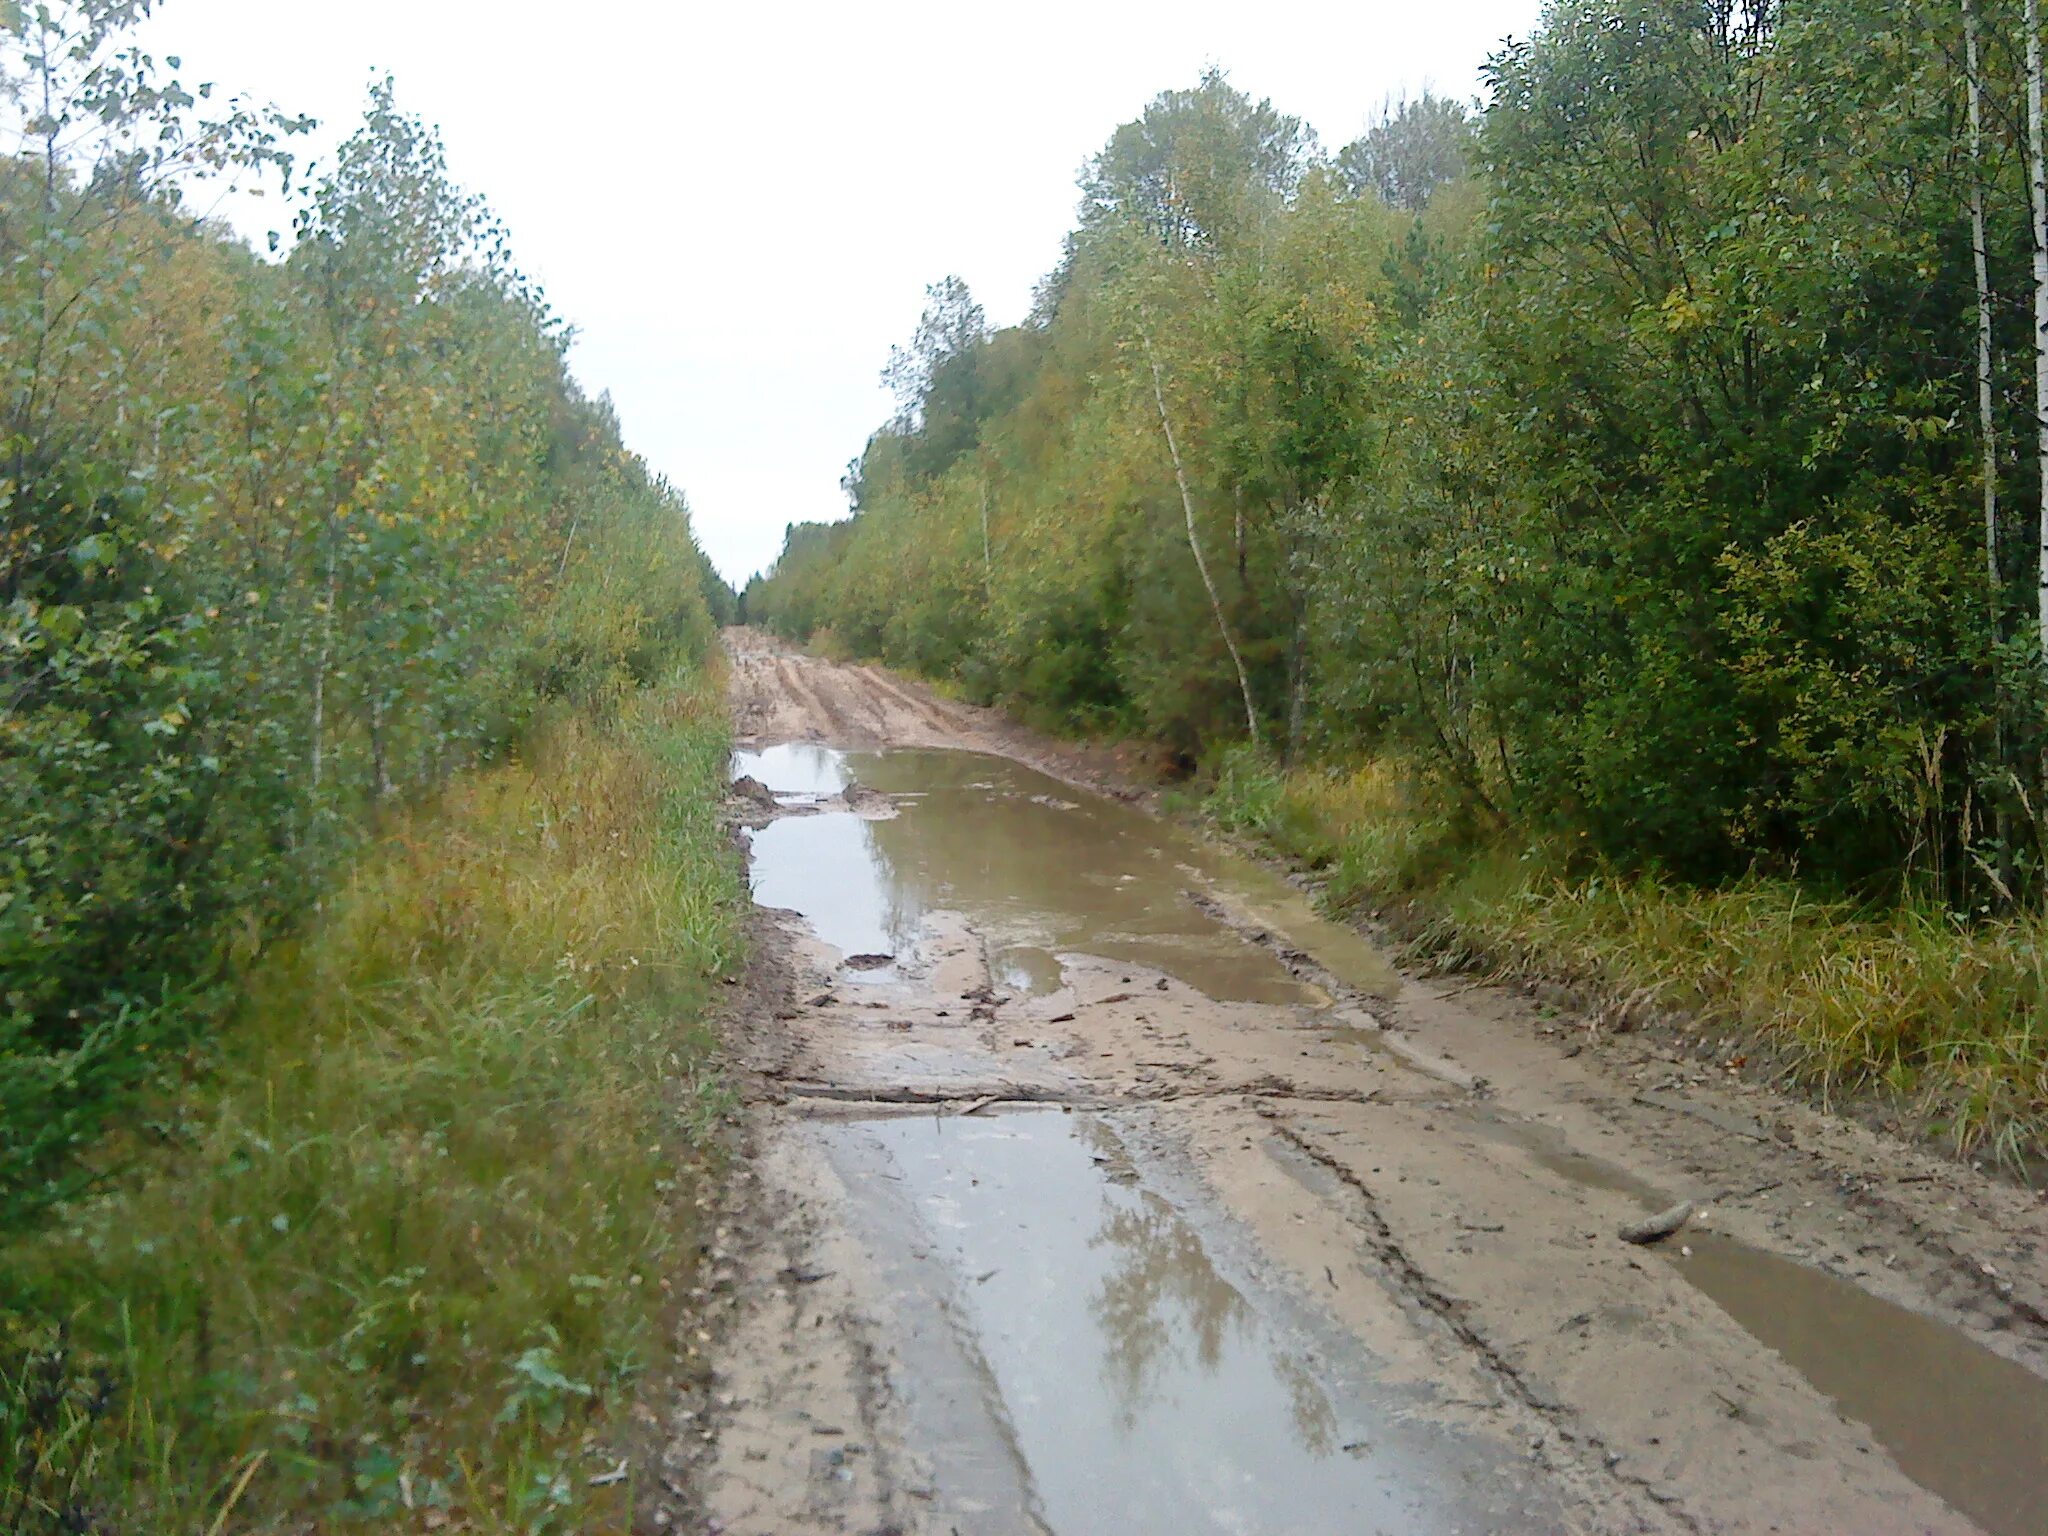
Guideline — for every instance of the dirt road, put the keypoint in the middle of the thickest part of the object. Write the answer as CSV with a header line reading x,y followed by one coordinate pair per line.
x,y
1099,1185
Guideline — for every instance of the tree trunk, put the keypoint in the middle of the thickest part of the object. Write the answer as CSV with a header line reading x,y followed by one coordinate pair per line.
x,y
1187,503
2037,188
1297,685
380,768
1243,580
319,725
568,544
1987,426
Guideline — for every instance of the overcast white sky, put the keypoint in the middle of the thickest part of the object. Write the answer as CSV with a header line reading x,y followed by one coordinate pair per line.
x,y
739,206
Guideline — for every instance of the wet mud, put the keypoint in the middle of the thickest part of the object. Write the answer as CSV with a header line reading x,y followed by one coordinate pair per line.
x,y
1960,1420
1107,1185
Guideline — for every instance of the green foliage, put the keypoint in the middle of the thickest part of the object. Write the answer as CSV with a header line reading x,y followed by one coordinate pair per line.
x,y
1602,458
1198,169
282,545
1607,463
414,1236
1412,149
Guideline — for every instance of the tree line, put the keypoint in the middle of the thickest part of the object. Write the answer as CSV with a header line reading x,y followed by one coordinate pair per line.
x,y
1652,458
286,538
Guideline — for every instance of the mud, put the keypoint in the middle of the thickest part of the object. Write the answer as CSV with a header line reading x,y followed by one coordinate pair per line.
x,y
1966,1423
1115,1189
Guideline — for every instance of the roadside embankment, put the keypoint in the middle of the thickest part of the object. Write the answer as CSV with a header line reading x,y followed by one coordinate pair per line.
x,y
1936,1022
400,1252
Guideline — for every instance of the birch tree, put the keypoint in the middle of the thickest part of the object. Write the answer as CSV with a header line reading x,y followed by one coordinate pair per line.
x,y
2037,190
1987,425
1187,502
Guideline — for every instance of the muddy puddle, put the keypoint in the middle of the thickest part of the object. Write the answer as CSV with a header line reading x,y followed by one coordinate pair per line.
x,y
1960,1420
1084,1343
1037,867
1091,1354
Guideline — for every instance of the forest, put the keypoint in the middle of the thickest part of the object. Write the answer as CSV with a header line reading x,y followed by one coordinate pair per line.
x,y
1599,531
360,863
1604,523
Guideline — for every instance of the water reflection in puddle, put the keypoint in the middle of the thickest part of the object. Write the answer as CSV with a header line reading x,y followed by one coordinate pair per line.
x,y
1027,970
1036,868
1143,1389
793,768
827,868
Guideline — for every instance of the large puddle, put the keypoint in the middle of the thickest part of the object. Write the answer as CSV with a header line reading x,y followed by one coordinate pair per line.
x,y
1039,868
1141,1382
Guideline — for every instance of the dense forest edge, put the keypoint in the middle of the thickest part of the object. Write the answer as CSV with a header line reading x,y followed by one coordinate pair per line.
x,y
1602,525
362,882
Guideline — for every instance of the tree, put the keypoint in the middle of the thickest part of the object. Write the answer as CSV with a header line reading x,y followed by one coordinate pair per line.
x,y
950,329
1199,168
1412,149
1187,502
2037,196
1987,422
280,542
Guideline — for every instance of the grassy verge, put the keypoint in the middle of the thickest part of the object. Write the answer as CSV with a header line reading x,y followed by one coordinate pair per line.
x,y
395,1260
1946,1017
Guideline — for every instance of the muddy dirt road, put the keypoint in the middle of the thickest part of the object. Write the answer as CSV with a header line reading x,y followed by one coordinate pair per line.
x,y
1099,1185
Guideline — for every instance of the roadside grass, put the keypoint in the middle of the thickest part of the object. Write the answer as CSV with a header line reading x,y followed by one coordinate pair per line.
x,y
398,1255
1948,1018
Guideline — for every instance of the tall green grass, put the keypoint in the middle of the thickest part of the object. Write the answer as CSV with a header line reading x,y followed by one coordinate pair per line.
x,y
395,1259
1947,1017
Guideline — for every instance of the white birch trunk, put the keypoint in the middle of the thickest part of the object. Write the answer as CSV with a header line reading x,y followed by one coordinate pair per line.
x,y
1987,423
1187,502
1987,428
2037,188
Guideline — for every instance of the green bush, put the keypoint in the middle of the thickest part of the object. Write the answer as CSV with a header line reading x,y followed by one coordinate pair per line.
x,y
282,546
412,1239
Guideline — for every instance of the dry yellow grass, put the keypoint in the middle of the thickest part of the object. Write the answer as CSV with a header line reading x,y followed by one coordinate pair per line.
x,y
1944,1015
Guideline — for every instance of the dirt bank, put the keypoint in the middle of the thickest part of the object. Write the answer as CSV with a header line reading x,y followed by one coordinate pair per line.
x,y
1098,1184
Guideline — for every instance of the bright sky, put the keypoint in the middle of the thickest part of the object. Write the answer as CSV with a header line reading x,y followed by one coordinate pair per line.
x,y
739,205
